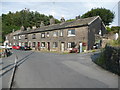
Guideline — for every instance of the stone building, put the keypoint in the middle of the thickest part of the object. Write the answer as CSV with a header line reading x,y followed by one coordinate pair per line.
x,y
62,36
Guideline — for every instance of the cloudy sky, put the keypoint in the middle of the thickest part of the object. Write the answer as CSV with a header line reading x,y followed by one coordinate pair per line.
x,y
58,8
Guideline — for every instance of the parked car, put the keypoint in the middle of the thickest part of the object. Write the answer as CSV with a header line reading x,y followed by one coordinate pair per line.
x,y
24,48
73,50
16,47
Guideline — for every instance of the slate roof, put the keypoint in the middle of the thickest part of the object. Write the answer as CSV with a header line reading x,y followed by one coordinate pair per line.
x,y
75,23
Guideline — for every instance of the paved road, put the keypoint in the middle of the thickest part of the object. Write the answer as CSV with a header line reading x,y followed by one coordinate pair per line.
x,y
50,70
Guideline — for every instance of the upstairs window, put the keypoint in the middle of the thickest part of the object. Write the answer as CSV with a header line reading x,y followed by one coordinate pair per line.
x,y
42,35
48,34
33,36
14,37
26,36
61,33
71,32
6,38
19,37
55,34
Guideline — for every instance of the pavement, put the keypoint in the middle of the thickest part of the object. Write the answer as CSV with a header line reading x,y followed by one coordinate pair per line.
x,y
52,70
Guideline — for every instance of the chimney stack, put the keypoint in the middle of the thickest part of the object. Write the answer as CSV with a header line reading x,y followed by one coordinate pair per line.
x,y
77,17
22,28
62,19
42,24
34,27
52,21
28,28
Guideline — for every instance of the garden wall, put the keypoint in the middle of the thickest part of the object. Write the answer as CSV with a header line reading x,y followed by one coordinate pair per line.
x,y
110,59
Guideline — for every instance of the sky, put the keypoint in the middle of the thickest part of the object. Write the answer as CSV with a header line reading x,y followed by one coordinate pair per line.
x,y
68,9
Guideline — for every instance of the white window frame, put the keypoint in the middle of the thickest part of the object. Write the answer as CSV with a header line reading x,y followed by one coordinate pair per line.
x,y
61,33
6,38
55,44
19,37
70,32
55,34
14,37
42,35
42,44
48,35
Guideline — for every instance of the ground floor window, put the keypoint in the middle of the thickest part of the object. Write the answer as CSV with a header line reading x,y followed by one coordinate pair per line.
x,y
71,44
19,44
33,44
42,44
55,44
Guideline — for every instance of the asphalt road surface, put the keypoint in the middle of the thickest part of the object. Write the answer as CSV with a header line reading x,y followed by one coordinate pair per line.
x,y
51,70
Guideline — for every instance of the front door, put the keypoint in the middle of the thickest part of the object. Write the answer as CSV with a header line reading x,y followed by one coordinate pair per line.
x,y
38,45
62,46
48,46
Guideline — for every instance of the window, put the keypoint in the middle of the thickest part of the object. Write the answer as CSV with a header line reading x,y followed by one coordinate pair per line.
x,y
6,38
33,36
55,34
100,32
19,37
48,34
14,37
61,33
55,44
33,44
42,35
42,44
19,44
71,44
71,32
26,36
13,43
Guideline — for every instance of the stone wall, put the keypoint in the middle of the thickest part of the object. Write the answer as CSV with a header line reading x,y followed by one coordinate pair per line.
x,y
110,58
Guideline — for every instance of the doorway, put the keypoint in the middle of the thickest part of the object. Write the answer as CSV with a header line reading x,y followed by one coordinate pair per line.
x,y
62,46
38,45
48,43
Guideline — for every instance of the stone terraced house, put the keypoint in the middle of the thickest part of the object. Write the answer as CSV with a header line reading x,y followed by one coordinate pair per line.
x,y
60,37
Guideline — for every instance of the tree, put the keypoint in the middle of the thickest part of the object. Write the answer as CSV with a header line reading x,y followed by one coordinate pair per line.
x,y
70,20
106,15
113,29
24,18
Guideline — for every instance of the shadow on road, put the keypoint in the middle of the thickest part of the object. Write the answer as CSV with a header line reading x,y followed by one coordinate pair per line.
x,y
18,64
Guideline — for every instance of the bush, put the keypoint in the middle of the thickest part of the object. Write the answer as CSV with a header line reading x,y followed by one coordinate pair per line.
x,y
109,59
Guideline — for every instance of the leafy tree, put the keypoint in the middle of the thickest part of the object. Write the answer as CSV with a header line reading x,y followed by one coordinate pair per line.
x,y
108,29
113,29
106,15
24,18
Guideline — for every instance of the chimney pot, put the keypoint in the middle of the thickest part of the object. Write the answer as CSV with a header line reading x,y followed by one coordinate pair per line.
x,y
62,19
52,21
